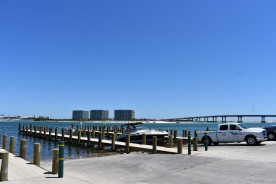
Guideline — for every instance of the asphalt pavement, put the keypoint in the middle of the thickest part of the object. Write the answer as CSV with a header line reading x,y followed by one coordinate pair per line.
x,y
225,163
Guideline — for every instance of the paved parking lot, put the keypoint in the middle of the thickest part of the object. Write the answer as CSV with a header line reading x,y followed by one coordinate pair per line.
x,y
226,163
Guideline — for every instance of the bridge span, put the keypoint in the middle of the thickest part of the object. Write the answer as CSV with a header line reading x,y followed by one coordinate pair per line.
x,y
223,118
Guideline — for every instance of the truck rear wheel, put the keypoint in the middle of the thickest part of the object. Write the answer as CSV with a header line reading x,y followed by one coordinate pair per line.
x,y
251,140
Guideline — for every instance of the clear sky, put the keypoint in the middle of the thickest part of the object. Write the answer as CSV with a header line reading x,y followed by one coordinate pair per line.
x,y
163,59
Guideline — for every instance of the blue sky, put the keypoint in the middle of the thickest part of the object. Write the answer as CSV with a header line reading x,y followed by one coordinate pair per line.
x,y
163,59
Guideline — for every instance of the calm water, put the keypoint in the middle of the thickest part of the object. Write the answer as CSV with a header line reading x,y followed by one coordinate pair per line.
x,y
73,152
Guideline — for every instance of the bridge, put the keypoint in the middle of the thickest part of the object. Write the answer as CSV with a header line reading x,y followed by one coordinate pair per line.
x,y
223,118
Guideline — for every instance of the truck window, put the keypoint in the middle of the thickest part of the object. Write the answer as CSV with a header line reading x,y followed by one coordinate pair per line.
x,y
223,127
234,127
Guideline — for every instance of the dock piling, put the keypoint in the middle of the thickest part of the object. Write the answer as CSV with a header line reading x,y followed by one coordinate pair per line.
x,y
5,141
36,156
4,155
55,161
154,144
12,143
179,146
22,153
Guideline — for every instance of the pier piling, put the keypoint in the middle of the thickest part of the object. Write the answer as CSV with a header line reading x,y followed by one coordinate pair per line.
x,y
12,143
5,141
36,156
55,161
22,153
4,155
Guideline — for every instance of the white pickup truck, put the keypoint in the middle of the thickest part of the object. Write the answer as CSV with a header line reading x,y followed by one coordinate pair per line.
x,y
234,132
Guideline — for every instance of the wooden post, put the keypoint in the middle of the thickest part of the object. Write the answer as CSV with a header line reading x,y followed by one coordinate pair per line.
x,y
100,141
4,166
88,138
19,128
62,134
5,141
56,134
55,161
174,136
36,156
93,134
116,135
44,129
70,135
103,133
22,153
79,137
195,144
170,141
84,133
144,139
171,131
40,130
50,133
12,143
189,143
195,134
154,144
35,130
113,142
127,143
24,129
179,146
185,133
31,129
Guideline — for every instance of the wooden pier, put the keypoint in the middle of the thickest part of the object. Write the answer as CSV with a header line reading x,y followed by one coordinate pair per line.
x,y
94,137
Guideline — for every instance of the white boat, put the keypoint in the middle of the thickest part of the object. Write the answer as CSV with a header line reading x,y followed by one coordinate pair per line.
x,y
136,130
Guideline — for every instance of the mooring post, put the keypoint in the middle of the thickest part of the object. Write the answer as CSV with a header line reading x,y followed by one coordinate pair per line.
x,y
100,141
19,127
22,153
179,146
88,138
55,161
189,143
4,166
56,134
79,137
127,143
93,134
40,129
12,143
154,144
36,156
174,136
61,160
170,141
195,144
62,134
70,135
113,142
35,130
5,141
31,129
116,135
183,133
206,141
44,132
144,139
50,133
